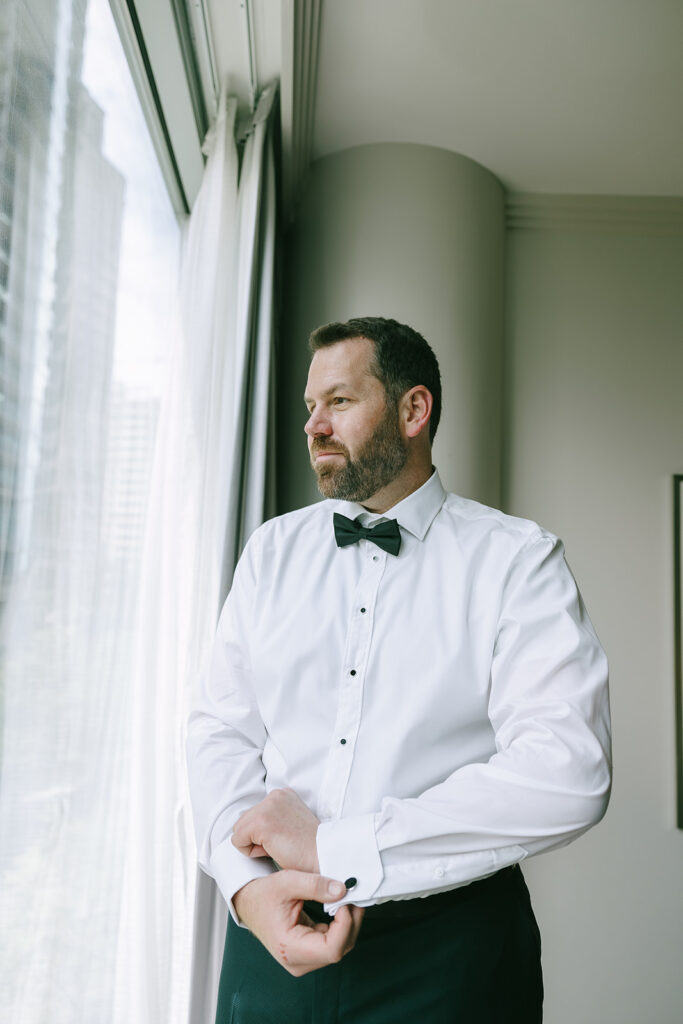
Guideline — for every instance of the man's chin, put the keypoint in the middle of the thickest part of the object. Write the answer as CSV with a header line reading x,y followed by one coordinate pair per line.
x,y
327,483
330,481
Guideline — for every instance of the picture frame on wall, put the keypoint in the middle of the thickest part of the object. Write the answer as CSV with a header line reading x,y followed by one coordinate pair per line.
x,y
678,640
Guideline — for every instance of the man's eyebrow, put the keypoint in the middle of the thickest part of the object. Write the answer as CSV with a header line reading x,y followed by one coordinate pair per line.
x,y
330,391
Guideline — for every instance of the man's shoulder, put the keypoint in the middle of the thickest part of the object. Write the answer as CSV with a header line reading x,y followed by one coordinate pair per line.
x,y
470,515
285,527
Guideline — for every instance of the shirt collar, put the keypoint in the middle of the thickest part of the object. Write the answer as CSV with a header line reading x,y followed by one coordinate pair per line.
x,y
414,513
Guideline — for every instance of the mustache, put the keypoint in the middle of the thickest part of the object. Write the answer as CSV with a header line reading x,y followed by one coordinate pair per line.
x,y
319,444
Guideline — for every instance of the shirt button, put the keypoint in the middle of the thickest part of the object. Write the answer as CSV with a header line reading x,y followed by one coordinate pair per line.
x,y
439,873
351,883
363,610
342,742
375,558
352,672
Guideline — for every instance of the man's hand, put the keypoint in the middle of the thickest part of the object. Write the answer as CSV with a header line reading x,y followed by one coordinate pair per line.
x,y
272,908
282,827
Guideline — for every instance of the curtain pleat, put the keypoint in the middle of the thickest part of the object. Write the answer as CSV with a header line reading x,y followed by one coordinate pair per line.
x,y
211,486
249,498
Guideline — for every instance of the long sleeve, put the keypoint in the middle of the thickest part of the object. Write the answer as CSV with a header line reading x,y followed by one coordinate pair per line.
x,y
549,778
225,741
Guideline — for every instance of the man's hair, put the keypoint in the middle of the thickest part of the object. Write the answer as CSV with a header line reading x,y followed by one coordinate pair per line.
x,y
402,360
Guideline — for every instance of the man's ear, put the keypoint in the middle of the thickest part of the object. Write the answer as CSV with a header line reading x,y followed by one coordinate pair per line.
x,y
416,409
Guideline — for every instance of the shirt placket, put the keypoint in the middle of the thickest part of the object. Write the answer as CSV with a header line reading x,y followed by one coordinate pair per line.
x,y
352,683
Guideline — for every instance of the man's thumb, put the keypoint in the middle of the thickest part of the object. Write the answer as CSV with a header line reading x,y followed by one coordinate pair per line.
x,y
317,887
333,890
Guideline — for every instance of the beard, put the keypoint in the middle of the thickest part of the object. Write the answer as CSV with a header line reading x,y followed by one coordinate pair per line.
x,y
378,461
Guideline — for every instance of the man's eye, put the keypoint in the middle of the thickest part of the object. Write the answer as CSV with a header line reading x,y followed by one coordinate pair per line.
x,y
338,400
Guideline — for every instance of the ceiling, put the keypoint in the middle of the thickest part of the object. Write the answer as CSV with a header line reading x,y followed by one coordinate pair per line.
x,y
581,96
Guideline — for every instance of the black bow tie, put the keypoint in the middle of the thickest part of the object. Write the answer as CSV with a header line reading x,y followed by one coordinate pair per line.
x,y
386,535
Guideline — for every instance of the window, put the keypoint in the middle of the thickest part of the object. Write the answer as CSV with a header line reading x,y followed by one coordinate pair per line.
x,y
89,248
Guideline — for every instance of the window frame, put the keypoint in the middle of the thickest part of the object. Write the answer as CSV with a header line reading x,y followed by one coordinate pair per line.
x,y
167,81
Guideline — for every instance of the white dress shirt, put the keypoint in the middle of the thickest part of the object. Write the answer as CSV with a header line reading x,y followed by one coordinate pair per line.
x,y
443,712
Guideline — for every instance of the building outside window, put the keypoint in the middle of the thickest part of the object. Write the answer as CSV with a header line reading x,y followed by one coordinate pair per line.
x,y
89,247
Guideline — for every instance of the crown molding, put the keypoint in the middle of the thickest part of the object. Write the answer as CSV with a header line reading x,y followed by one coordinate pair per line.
x,y
650,215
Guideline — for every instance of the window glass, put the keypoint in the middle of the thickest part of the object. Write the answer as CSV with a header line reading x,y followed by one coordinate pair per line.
x,y
89,248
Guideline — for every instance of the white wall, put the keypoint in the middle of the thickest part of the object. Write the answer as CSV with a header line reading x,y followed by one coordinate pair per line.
x,y
415,233
593,434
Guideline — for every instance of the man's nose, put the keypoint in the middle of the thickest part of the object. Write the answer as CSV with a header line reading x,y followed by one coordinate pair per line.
x,y
318,425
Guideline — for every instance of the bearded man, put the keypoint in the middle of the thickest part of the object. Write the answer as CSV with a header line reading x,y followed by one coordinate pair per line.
x,y
406,699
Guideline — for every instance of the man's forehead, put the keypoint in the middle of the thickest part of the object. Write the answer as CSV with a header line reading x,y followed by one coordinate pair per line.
x,y
349,357
347,367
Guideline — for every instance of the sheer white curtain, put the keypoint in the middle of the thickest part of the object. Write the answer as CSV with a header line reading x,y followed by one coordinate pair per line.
x,y
83,216
99,644
212,484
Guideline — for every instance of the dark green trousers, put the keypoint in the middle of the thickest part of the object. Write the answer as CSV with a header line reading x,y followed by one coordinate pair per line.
x,y
471,956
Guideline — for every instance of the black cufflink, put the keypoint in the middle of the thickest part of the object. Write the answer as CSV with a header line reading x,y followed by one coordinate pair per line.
x,y
351,883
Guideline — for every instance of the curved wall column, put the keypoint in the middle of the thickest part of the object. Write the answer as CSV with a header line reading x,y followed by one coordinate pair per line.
x,y
415,233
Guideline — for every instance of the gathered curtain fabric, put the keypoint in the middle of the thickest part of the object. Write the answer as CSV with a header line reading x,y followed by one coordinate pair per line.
x,y
212,484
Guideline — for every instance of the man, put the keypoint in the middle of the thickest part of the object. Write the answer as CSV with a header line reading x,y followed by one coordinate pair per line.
x,y
406,698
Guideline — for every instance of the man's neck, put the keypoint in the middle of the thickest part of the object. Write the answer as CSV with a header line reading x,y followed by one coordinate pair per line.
x,y
411,479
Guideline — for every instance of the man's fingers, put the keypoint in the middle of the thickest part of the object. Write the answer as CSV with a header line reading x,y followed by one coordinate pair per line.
x,y
244,836
241,836
274,913
309,948
300,885
246,846
357,914
338,934
347,917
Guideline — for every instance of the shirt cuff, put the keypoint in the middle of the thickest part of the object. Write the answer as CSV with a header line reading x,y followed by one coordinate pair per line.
x,y
232,870
347,852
